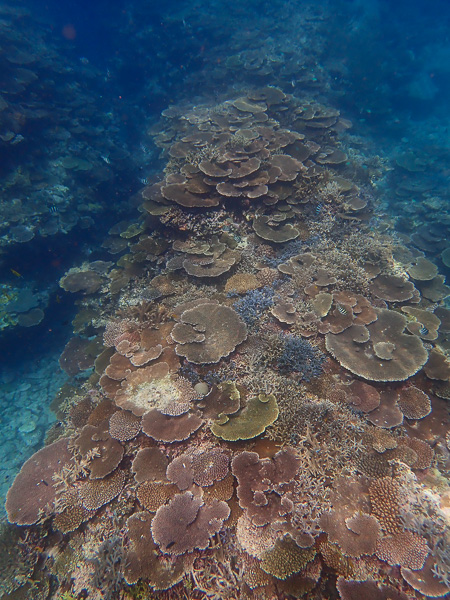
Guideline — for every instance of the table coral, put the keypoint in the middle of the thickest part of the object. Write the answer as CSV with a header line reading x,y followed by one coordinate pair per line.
x,y
220,330
31,496
186,523
406,549
407,355
98,492
258,413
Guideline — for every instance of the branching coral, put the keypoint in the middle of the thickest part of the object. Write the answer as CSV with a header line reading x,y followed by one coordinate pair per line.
x,y
299,357
108,567
253,305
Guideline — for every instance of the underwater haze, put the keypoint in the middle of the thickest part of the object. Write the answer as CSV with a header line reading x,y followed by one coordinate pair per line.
x,y
224,300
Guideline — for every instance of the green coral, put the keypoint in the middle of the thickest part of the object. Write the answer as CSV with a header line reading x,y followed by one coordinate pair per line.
x,y
140,591
260,412
286,558
67,596
7,294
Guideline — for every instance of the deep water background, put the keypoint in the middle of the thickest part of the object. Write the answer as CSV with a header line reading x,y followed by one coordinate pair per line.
x,y
388,65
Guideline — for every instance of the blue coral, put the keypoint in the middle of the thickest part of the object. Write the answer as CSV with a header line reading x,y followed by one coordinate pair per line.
x,y
251,307
288,251
301,357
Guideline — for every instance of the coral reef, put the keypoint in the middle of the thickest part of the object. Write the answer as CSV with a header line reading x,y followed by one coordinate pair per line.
x,y
259,372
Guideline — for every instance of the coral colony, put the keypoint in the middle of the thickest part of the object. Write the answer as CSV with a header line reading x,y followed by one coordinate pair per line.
x,y
257,403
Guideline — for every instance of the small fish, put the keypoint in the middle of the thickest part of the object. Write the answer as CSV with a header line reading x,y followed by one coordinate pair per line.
x,y
16,273
423,330
342,309
319,209
84,60
169,545
58,299
53,209
145,149
106,159
144,180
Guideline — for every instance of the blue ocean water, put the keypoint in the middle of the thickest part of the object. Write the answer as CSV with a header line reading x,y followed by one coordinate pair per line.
x,y
185,188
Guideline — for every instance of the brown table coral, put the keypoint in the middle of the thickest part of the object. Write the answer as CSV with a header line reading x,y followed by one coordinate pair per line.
x,y
208,332
186,523
383,353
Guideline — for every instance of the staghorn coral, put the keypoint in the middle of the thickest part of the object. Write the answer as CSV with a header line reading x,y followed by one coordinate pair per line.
x,y
17,560
253,305
109,565
298,356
